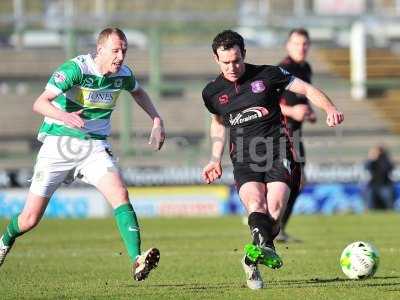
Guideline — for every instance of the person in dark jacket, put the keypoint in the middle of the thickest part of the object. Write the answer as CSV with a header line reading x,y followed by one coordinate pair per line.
x,y
380,192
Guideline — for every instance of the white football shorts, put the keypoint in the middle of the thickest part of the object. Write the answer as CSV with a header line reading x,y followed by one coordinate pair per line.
x,y
62,159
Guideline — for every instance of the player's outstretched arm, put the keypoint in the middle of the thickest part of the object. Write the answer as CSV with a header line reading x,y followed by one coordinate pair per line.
x,y
213,169
157,136
43,106
318,98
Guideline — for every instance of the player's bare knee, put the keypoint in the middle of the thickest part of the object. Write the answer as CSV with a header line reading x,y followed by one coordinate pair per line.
x,y
254,200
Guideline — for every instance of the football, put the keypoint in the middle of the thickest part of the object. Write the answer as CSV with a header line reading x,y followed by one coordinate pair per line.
x,y
359,260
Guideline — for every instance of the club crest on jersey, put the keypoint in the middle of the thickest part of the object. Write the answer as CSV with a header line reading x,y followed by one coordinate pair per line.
x,y
118,83
257,86
89,82
223,99
59,77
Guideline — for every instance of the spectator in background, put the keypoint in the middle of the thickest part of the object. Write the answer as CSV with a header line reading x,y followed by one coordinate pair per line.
x,y
379,192
296,110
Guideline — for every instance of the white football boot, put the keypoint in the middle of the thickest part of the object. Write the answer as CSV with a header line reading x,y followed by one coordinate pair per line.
x,y
253,277
3,251
146,262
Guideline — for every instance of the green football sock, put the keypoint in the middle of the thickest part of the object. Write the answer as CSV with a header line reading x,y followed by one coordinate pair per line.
x,y
12,231
129,229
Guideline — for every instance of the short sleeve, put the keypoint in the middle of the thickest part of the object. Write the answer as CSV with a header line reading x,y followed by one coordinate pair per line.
x,y
135,85
279,77
208,104
64,78
132,83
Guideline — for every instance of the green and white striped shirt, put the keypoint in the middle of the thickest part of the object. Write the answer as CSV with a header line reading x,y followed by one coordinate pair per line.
x,y
79,85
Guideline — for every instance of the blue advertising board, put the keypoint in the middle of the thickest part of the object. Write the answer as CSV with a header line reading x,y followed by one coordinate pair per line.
x,y
322,199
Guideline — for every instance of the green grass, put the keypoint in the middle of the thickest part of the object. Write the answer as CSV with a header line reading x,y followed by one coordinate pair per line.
x,y
200,259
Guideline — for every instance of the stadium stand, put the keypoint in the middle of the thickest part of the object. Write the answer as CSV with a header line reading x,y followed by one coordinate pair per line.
x,y
383,68
186,119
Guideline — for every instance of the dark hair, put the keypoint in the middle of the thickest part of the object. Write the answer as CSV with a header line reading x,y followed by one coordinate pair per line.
x,y
300,31
105,33
227,39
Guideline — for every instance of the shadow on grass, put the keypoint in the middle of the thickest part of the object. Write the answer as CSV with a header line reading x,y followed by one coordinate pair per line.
x,y
197,286
299,283
318,282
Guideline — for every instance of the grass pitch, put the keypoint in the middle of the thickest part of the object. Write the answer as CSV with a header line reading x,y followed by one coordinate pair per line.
x,y
200,259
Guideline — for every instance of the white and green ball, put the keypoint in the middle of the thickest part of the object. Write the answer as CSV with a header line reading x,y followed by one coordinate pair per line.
x,y
359,260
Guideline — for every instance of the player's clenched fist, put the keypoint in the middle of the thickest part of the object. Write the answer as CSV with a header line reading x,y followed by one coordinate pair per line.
x,y
334,117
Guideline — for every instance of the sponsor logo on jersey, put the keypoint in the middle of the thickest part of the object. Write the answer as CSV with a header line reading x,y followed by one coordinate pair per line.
x,y
247,115
257,86
100,97
59,77
223,99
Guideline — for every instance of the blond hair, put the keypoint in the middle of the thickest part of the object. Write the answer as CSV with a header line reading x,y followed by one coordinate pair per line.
x,y
104,35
